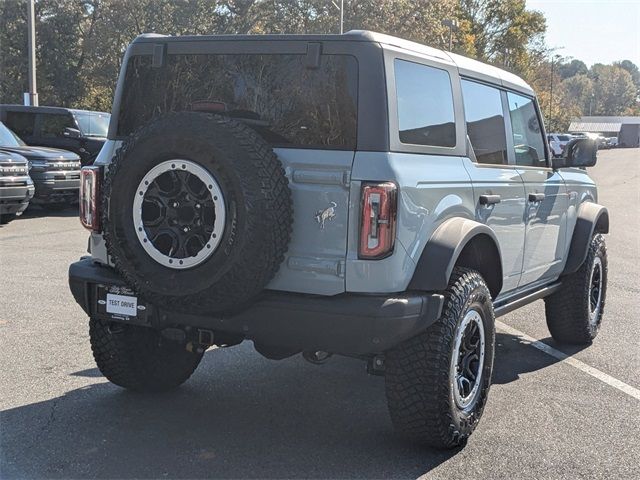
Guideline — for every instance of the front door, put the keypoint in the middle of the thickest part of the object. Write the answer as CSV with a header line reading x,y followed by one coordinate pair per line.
x,y
546,194
497,186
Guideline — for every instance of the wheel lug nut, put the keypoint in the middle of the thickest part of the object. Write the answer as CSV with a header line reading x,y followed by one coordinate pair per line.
x,y
197,205
185,229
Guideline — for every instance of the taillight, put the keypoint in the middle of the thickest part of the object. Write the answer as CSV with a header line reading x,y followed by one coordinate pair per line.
x,y
90,178
378,222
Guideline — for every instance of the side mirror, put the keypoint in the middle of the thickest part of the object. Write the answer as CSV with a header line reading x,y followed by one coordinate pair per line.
x,y
579,152
71,132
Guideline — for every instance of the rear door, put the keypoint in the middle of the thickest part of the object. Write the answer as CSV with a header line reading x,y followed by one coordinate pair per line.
x,y
547,198
497,185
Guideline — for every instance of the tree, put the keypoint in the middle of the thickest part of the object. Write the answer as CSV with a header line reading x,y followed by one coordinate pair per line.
x,y
580,89
503,32
614,91
571,69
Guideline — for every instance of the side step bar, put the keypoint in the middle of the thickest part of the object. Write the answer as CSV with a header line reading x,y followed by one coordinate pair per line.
x,y
522,300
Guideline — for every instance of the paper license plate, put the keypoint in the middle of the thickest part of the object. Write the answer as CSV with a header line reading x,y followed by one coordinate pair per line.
x,y
122,305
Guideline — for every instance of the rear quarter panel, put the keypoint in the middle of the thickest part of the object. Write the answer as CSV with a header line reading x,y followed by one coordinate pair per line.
x,y
431,189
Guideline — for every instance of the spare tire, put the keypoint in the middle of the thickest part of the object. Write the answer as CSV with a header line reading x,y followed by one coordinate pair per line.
x,y
197,212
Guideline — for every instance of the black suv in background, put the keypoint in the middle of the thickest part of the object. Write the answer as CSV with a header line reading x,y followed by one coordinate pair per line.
x,y
80,131
16,187
55,172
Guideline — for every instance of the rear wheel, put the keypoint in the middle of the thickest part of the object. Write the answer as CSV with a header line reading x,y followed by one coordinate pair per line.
x,y
574,313
437,382
140,358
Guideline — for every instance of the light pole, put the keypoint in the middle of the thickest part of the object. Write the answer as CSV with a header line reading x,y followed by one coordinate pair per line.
x,y
452,23
341,8
31,98
554,57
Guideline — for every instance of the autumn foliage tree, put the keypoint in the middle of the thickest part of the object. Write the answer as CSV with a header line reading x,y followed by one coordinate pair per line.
x,y
80,43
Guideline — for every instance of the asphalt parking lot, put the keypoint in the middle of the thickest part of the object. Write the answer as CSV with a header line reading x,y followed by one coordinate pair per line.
x,y
243,416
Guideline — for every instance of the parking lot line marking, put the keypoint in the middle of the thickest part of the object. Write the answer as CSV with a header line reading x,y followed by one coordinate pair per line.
x,y
574,362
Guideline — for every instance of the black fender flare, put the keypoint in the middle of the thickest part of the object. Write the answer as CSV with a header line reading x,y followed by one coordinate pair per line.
x,y
443,250
591,218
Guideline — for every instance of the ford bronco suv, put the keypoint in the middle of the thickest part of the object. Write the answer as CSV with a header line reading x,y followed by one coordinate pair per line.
x,y
55,173
349,194
16,186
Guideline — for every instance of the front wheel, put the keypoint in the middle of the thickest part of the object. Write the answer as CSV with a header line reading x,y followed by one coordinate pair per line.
x,y
437,383
140,358
574,313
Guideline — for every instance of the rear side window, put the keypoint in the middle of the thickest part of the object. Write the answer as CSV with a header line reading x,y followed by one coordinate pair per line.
x,y
425,105
286,102
22,123
485,122
528,141
53,125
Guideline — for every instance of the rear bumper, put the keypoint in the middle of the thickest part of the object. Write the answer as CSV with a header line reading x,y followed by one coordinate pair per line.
x,y
349,324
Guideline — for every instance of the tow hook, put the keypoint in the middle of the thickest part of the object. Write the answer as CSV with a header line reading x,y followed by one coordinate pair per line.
x,y
317,357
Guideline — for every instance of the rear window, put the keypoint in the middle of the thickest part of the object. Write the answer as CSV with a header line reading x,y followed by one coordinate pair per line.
x,y
286,102
564,138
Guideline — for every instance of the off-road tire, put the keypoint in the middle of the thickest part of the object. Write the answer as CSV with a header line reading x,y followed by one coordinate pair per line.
x,y
568,309
259,212
418,372
140,358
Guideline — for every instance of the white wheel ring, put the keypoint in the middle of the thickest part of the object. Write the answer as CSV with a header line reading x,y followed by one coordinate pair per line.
x,y
218,202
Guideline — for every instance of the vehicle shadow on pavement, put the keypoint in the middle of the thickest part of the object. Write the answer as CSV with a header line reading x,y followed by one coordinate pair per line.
x,y
240,416
61,211
515,357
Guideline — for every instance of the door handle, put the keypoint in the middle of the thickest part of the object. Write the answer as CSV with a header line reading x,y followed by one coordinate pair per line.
x,y
489,199
536,197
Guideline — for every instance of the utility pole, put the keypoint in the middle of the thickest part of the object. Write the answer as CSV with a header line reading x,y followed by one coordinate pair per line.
x,y
31,98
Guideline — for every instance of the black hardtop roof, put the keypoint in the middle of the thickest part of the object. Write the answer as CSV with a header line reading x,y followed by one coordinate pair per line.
x,y
467,66
46,109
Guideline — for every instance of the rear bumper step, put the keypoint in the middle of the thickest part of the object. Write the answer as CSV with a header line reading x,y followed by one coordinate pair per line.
x,y
349,324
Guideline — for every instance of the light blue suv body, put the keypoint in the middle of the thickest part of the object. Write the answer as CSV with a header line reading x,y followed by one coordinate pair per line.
x,y
421,202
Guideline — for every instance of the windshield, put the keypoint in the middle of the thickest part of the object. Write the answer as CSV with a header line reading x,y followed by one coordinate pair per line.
x,y
8,138
93,124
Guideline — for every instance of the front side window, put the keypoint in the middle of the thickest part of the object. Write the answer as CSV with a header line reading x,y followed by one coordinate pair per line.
x,y
22,123
425,105
53,125
485,122
93,124
287,102
528,141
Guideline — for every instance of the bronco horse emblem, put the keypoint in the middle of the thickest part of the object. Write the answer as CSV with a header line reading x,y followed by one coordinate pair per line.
x,y
327,214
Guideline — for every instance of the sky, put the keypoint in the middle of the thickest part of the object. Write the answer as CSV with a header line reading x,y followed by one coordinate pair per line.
x,y
594,31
